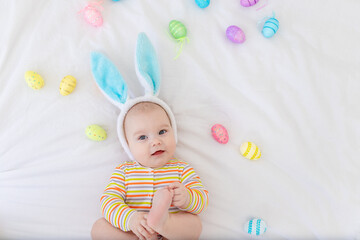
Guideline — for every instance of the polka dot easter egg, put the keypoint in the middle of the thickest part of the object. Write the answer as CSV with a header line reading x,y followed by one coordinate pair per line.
x,y
250,151
220,133
235,34
34,80
95,133
67,85
255,227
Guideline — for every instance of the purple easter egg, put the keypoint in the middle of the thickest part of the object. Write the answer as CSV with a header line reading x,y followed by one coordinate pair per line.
x,y
235,34
248,3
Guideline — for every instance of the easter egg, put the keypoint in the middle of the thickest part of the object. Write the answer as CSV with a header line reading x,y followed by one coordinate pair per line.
x,y
270,27
220,133
235,34
67,85
93,16
95,133
177,29
255,226
250,151
202,3
34,80
248,3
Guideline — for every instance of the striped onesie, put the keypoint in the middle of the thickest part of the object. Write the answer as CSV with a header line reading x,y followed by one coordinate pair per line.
x,y
132,188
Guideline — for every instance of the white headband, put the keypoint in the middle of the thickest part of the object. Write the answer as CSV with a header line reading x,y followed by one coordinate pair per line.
x,y
113,86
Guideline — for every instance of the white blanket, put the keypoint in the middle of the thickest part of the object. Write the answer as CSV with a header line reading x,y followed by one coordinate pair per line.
x,y
296,96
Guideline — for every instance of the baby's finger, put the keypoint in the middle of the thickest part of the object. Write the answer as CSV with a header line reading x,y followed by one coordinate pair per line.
x,y
174,185
137,233
145,233
147,228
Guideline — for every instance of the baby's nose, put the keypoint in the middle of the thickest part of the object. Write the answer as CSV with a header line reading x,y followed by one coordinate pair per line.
x,y
156,142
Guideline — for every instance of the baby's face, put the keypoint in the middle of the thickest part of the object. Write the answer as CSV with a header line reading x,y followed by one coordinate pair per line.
x,y
150,136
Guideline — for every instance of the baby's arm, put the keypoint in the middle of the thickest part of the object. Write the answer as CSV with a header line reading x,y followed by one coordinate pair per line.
x,y
118,213
113,204
190,195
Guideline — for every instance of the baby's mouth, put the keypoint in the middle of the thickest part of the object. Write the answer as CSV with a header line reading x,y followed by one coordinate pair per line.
x,y
159,152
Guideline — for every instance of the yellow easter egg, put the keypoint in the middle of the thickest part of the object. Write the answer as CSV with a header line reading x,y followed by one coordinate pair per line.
x,y
67,85
34,80
250,151
95,133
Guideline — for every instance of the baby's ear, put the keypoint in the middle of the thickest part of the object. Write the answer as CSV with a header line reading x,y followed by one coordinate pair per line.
x,y
109,79
147,65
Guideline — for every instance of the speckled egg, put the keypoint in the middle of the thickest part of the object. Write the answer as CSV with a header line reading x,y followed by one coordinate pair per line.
x,y
34,80
67,85
235,34
220,133
95,133
255,227
250,151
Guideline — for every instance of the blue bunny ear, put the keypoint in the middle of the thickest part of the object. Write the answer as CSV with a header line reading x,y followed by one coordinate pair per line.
x,y
147,65
109,79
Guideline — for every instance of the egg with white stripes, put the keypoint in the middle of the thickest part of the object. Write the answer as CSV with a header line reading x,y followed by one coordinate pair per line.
x,y
255,227
250,151
67,85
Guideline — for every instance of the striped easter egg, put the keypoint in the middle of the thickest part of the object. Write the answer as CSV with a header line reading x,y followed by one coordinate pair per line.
x,y
248,3
177,29
67,85
270,27
250,151
255,226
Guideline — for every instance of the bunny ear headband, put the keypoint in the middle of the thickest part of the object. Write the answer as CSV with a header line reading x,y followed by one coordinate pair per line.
x,y
113,86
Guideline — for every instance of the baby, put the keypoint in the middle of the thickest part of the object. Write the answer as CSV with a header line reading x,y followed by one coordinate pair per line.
x,y
155,194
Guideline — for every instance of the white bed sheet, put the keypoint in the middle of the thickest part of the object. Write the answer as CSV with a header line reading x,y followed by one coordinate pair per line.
x,y
295,95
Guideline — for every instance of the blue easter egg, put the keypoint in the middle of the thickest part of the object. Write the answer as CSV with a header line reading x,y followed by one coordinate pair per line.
x,y
255,226
270,27
202,3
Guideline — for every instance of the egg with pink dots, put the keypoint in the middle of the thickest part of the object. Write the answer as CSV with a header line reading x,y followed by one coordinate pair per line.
x,y
235,34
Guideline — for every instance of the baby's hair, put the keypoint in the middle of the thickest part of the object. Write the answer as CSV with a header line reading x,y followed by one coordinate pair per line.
x,y
143,107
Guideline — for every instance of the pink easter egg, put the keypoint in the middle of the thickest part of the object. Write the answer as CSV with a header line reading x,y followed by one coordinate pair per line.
x,y
235,34
248,3
93,16
220,133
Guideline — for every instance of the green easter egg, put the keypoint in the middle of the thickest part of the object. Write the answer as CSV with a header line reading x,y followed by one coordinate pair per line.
x,y
95,133
177,29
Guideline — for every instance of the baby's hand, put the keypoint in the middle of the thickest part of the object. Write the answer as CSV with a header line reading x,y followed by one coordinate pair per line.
x,y
181,197
139,227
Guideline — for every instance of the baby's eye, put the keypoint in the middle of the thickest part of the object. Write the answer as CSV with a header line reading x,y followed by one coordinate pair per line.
x,y
162,132
142,137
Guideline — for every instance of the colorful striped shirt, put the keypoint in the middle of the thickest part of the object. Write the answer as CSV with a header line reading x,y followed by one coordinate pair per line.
x,y
132,188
